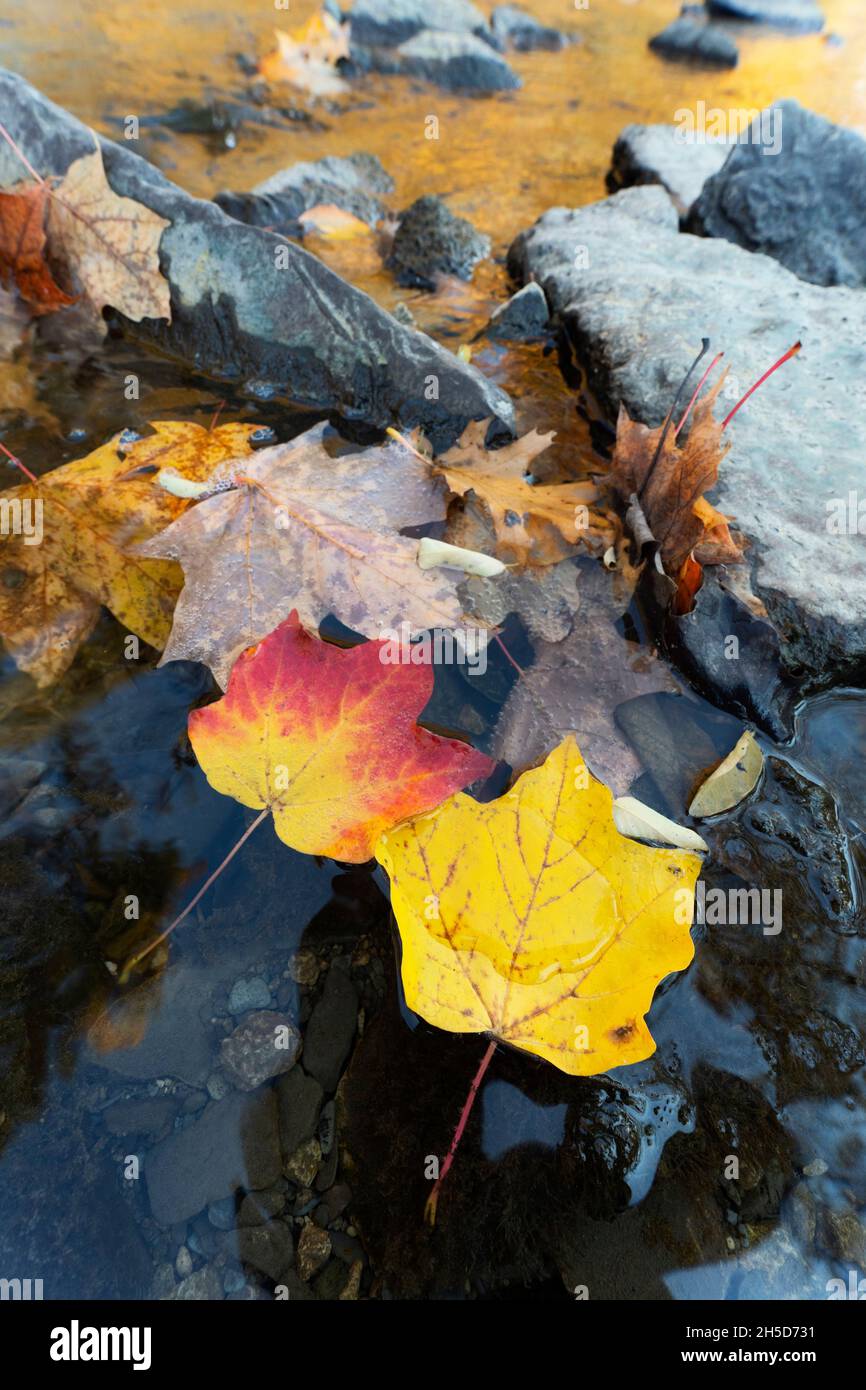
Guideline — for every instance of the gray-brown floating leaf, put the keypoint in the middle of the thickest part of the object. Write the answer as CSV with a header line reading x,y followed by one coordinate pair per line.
x,y
733,779
304,530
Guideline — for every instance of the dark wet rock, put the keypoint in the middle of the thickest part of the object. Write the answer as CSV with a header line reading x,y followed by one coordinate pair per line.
x,y
458,62
249,994
518,29
803,203
205,1285
356,183
18,776
739,1123
430,241
259,1207
268,1248
522,318
801,16
233,1144
636,307
656,154
221,1214
677,739
299,1098
801,1213
747,679
149,1116
705,45
264,1045
331,1029
302,1165
177,1043
388,23
288,324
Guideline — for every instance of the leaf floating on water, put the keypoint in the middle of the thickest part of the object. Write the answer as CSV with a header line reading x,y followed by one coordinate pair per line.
x,y
532,919
326,739
641,822
333,222
736,776
308,57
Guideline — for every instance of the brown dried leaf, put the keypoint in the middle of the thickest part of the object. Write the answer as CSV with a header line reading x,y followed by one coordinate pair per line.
x,y
22,248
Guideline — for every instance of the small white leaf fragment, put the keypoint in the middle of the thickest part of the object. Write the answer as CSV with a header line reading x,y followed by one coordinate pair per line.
x,y
641,822
732,780
434,553
179,486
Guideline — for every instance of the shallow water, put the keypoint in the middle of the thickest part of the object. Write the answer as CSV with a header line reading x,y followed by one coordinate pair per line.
x,y
617,1183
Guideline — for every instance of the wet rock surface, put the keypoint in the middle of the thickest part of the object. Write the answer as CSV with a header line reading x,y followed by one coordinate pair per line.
x,y
460,62
523,318
803,203
515,27
691,41
799,16
635,296
297,333
656,154
388,23
431,241
357,183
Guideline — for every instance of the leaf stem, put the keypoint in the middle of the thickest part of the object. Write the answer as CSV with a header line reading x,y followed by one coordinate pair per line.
x,y
433,1199
140,955
18,464
697,391
792,351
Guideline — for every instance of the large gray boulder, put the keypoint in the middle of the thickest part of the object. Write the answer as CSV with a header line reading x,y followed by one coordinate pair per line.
x,y
292,330
637,296
801,199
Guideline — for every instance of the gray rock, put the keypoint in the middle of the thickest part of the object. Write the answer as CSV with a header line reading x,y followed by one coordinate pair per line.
x,y
249,994
233,1144
269,1248
845,1236
203,1286
690,40
289,329
221,1214
805,205
430,241
353,183
299,1100
18,776
331,1029
148,1116
259,1207
637,295
177,1043
458,62
264,1045
803,16
388,23
656,154
514,26
522,318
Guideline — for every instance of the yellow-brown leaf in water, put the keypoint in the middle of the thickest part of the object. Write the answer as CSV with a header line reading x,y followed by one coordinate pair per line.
x,y
326,219
534,920
303,530
90,513
671,493
109,244
537,524
307,58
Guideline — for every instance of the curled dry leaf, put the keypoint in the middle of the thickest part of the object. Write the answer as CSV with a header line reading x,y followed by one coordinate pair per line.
x,y
22,248
90,514
108,244
641,822
671,492
326,739
532,919
308,57
733,779
303,530
537,524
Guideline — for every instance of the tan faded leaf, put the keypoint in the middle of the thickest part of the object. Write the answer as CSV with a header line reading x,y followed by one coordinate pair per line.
x,y
109,244
304,530
537,524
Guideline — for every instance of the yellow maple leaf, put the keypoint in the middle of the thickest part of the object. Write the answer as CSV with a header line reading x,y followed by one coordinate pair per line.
x,y
65,541
532,919
108,244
